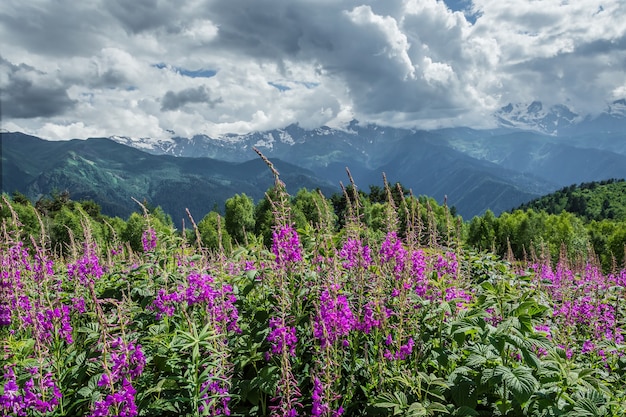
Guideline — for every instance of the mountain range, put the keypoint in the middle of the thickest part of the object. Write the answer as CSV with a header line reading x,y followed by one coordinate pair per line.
x,y
536,150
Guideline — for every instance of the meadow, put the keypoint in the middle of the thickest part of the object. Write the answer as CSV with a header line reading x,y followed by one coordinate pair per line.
x,y
320,322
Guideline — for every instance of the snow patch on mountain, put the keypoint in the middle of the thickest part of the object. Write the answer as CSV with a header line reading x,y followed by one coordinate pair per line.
x,y
537,117
147,144
554,120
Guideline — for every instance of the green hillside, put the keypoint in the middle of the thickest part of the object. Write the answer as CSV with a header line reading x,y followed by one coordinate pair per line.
x,y
591,200
579,222
113,175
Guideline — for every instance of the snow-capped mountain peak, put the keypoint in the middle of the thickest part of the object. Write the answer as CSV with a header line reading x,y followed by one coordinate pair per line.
x,y
535,116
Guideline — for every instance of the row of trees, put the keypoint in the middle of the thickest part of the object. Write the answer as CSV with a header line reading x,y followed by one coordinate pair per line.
x,y
241,221
523,234
520,234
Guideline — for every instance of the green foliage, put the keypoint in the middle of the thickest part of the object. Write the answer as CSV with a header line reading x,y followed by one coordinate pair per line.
x,y
590,201
213,233
239,217
390,314
586,221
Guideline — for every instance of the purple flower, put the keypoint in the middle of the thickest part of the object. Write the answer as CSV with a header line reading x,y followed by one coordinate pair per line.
x,y
286,246
87,268
568,352
148,240
334,318
12,402
392,250
369,321
5,314
42,267
165,304
453,293
78,304
418,267
447,264
127,362
282,337
123,401
355,254
402,353
320,408
201,289
215,389
588,346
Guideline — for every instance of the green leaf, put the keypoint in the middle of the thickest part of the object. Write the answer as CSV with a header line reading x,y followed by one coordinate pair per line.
x,y
437,408
416,409
85,392
520,381
465,411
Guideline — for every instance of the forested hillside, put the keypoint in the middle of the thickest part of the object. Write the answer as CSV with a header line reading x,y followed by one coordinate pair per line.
x,y
583,220
591,200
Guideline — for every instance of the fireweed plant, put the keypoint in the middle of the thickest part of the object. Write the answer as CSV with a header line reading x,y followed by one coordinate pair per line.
x,y
323,322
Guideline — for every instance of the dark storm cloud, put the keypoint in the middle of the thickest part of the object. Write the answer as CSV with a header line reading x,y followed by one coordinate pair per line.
x,y
363,46
275,26
63,29
26,95
141,15
175,100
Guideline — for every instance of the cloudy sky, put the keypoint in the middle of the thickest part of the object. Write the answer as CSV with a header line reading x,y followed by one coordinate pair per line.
x,y
156,68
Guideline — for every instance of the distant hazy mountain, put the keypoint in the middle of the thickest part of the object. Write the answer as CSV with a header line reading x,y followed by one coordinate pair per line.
x,y
559,120
495,167
420,160
476,169
538,118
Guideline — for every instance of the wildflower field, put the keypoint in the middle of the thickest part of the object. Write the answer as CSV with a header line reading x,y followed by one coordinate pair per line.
x,y
322,322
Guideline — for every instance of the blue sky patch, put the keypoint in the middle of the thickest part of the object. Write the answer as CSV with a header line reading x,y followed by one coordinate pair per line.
x,y
462,6
279,87
201,73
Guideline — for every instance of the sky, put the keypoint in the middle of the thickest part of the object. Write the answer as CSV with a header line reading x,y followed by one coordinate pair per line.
x,y
157,68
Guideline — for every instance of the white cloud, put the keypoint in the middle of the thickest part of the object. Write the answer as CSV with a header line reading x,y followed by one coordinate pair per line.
x,y
90,68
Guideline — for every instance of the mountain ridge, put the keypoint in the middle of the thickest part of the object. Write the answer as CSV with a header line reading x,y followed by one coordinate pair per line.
x,y
475,170
112,174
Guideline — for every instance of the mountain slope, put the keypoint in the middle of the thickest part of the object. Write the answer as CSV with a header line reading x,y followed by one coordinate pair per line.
x,y
436,170
591,201
113,174
477,170
563,161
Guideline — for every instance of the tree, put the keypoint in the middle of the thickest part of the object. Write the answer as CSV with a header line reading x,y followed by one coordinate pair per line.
x,y
210,228
311,207
64,223
616,244
239,217
565,229
20,198
135,226
482,231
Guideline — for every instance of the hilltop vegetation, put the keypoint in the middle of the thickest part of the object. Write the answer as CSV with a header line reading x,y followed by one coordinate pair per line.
x,y
591,200
581,222
584,221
